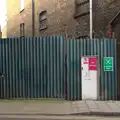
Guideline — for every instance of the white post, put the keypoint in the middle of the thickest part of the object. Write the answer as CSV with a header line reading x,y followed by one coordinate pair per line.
x,y
91,21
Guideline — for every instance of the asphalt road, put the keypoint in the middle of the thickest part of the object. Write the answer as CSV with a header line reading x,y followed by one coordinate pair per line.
x,y
80,118
18,119
35,119
32,119
21,119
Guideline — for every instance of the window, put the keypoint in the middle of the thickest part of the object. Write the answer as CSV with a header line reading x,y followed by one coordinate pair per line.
x,y
43,20
22,30
21,5
82,8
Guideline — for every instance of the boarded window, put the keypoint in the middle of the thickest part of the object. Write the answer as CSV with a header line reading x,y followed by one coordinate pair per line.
x,y
82,8
43,20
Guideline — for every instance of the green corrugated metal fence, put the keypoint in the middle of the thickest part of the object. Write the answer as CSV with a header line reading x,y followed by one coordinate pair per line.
x,y
96,47
33,67
49,67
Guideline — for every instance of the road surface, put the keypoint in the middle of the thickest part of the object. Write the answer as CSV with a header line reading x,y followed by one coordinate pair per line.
x,y
31,117
88,118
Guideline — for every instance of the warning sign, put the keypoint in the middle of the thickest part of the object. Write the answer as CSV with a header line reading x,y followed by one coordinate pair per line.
x,y
93,63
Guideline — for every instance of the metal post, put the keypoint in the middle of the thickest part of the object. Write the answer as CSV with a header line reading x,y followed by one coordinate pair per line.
x,y
91,21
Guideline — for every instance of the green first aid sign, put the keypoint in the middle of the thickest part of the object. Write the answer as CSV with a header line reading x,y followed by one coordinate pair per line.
x,y
108,63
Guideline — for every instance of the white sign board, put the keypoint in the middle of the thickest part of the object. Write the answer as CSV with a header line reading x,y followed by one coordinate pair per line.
x,y
89,78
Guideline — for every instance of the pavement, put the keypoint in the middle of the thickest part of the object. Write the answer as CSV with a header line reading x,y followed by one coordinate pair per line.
x,y
63,108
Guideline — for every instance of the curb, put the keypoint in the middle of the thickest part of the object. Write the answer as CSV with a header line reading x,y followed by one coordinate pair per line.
x,y
98,114
71,114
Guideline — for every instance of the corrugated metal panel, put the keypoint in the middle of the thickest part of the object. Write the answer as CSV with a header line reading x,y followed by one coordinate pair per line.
x,y
73,70
46,67
33,67
108,80
86,47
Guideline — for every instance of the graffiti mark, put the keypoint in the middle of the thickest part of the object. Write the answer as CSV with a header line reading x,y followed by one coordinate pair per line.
x,y
87,76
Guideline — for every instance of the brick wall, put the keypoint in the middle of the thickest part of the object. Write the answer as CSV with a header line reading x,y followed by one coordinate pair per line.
x,y
15,17
26,17
61,17
104,12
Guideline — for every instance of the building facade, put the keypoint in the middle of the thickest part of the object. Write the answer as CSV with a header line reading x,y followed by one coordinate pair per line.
x,y
69,18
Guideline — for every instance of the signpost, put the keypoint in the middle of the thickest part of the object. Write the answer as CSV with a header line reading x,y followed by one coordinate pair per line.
x,y
108,63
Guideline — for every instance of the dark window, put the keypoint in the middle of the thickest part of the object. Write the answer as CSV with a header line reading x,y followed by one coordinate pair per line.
x,y
82,8
22,30
43,20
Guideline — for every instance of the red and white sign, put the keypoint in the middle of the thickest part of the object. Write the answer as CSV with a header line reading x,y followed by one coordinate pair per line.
x,y
92,63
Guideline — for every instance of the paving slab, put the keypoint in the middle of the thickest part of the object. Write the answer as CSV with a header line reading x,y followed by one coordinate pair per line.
x,y
108,108
81,104
103,106
92,105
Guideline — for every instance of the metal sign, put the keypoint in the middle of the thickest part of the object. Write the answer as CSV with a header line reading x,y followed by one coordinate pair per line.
x,y
108,63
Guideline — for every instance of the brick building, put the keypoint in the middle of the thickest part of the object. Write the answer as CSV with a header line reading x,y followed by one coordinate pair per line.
x,y
69,18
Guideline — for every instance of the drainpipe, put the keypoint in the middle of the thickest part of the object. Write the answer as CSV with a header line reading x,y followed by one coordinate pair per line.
x,y
91,20
33,17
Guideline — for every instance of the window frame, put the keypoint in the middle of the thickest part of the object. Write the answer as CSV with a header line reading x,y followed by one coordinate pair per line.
x,y
80,5
42,18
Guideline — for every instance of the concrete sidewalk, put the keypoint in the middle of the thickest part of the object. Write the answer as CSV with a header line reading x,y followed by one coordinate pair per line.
x,y
101,108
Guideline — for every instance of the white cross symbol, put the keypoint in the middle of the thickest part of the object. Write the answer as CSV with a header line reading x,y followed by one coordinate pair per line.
x,y
108,61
